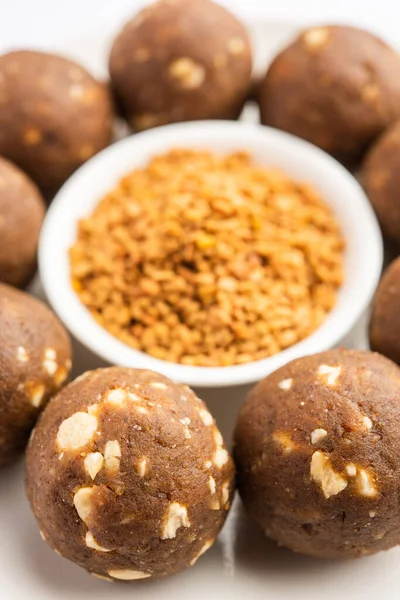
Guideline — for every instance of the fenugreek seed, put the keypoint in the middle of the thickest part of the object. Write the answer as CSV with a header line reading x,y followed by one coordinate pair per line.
x,y
208,260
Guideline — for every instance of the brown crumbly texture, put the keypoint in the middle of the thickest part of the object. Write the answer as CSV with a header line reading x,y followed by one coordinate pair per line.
x,y
336,86
21,217
384,332
53,115
181,60
317,453
381,179
208,260
35,360
160,480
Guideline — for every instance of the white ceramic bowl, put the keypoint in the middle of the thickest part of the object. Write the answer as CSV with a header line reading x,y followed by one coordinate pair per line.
x,y
299,159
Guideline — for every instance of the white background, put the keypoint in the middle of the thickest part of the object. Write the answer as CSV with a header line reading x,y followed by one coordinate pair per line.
x,y
42,22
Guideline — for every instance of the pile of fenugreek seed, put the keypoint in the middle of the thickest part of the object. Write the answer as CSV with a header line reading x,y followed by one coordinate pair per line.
x,y
208,260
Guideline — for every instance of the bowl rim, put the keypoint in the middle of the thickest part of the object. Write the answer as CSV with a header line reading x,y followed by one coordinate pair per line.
x,y
81,324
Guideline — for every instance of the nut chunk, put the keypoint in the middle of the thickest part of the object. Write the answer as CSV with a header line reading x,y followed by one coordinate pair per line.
x,y
313,478
176,516
321,471
116,483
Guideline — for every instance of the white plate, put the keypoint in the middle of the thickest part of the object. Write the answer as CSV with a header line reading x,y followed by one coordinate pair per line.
x,y
242,563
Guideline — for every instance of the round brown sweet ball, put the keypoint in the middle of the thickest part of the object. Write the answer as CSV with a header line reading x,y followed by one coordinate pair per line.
x,y
21,216
35,360
381,179
181,60
384,331
53,115
335,86
317,454
127,474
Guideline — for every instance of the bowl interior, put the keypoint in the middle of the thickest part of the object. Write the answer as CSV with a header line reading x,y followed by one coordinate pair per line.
x,y
272,148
